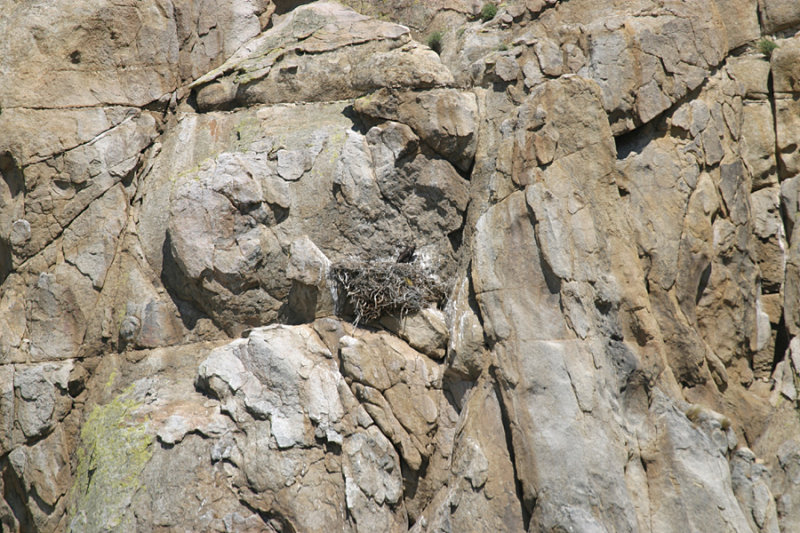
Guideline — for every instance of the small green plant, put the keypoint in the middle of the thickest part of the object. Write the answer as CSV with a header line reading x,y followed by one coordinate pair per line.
x,y
460,32
766,47
503,47
435,41
488,11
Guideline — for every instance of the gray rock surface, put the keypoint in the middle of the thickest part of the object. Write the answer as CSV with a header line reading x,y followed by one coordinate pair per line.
x,y
607,191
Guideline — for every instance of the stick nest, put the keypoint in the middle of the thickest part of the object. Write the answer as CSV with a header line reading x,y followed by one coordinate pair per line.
x,y
377,288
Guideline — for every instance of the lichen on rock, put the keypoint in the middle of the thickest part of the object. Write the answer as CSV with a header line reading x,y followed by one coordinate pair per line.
x,y
115,447
281,267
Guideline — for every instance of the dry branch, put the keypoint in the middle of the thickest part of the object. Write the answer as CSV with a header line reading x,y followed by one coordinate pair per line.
x,y
376,288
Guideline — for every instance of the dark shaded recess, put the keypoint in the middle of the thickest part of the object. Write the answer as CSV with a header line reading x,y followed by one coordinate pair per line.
x,y
779,165
781,344
456,237
43,506
278,213
551,279
14,496
272,518
625,363
301,305
361,123
13,184
466,174
609,324
527,506
284,6
5,260
127,179
472,300
701,286
634,141
356,119
192,100
171,278
160,106
411,482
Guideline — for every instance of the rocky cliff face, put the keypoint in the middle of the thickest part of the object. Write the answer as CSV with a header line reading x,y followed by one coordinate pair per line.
x,y
606,191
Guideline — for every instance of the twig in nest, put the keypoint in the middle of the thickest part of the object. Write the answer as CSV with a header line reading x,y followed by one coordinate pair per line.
x,y
378,288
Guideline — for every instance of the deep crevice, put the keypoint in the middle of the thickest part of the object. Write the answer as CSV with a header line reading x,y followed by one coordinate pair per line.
x,y
14,496
188,312
191,100
13,185
760,15
781,344
456,237
705,276
780,167
633,141
526,508
629,141
284,6
271,518
411,481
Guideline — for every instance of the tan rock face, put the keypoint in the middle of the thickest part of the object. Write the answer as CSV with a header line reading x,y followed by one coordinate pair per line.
x,y
607,190
320,52
125,53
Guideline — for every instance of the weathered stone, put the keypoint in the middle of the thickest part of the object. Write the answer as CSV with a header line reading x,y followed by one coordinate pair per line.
x,y
670,63
661,463
480,495
770,246
312,294
57,320
376,189
285,375
786,492
779,14
758,138
466,346
129,53
60,186
750,484
444,118
608,191
39,397
424,331
292,61
753,73
740,18
7,414
90,241
786,121
13,323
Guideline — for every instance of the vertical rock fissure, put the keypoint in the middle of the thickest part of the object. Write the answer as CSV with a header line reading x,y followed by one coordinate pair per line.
x,y
13,184
14,496
779,165
506,420
781,344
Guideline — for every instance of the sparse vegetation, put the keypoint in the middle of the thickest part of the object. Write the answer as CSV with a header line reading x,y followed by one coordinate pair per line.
x,y
766,47
377,288
435,41
488,11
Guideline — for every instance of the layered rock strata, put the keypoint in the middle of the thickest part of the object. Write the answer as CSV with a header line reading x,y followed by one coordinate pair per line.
x,y
608,191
